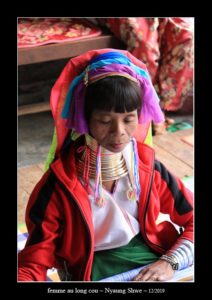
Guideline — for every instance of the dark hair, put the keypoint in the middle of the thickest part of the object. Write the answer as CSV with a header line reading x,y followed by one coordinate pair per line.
x,y
115,93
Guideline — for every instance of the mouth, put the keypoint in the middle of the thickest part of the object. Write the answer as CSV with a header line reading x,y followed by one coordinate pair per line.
x,y
117,146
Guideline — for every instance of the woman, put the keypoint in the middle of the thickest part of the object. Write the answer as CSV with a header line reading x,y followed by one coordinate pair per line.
x,y
94,213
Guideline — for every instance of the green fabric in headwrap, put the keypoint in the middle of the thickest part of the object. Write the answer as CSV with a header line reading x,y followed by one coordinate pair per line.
x,y
51,153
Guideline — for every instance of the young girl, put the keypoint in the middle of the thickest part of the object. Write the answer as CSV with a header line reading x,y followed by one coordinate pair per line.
x,y
94,213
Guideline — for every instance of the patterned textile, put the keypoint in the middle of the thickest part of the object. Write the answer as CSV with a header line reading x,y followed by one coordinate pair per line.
x,y
40,31
166,46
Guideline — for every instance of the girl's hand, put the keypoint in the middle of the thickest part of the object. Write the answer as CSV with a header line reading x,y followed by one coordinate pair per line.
x,y
159,271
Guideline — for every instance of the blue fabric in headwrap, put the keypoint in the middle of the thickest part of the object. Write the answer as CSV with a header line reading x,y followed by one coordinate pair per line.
x,y
99,61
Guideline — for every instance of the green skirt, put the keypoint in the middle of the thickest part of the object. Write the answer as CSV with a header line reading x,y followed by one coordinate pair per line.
x,y
115,261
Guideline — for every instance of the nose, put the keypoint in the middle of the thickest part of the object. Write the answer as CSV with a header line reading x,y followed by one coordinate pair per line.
x,y
117,128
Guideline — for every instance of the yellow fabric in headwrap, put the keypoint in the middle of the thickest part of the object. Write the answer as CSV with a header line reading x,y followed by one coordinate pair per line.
x,y
148,139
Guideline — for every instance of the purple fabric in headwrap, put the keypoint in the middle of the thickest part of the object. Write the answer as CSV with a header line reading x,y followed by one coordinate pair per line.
x,y
77,119
150,111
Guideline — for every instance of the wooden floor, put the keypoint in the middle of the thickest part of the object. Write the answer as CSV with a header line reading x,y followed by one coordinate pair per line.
x,y
176,154
27,178
175,150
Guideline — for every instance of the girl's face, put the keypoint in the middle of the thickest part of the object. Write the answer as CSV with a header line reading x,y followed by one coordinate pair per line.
x,y
113,130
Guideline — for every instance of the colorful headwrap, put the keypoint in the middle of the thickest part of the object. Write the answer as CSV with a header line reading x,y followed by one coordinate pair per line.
x,y
104,65
67,94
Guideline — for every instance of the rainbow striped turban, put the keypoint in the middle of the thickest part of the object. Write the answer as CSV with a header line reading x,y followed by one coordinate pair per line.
x,y
104,65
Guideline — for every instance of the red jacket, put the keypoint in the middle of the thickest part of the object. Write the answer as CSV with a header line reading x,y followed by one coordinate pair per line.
x,y
59,218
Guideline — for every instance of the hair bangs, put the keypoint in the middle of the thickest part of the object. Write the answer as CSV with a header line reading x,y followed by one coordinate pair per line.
x,y
114,93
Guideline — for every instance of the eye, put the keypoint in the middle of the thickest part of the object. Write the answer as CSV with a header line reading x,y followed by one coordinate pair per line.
x,y
128,121
104,122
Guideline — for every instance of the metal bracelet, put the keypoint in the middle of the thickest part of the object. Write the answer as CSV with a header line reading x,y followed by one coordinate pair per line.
x,y
171,260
